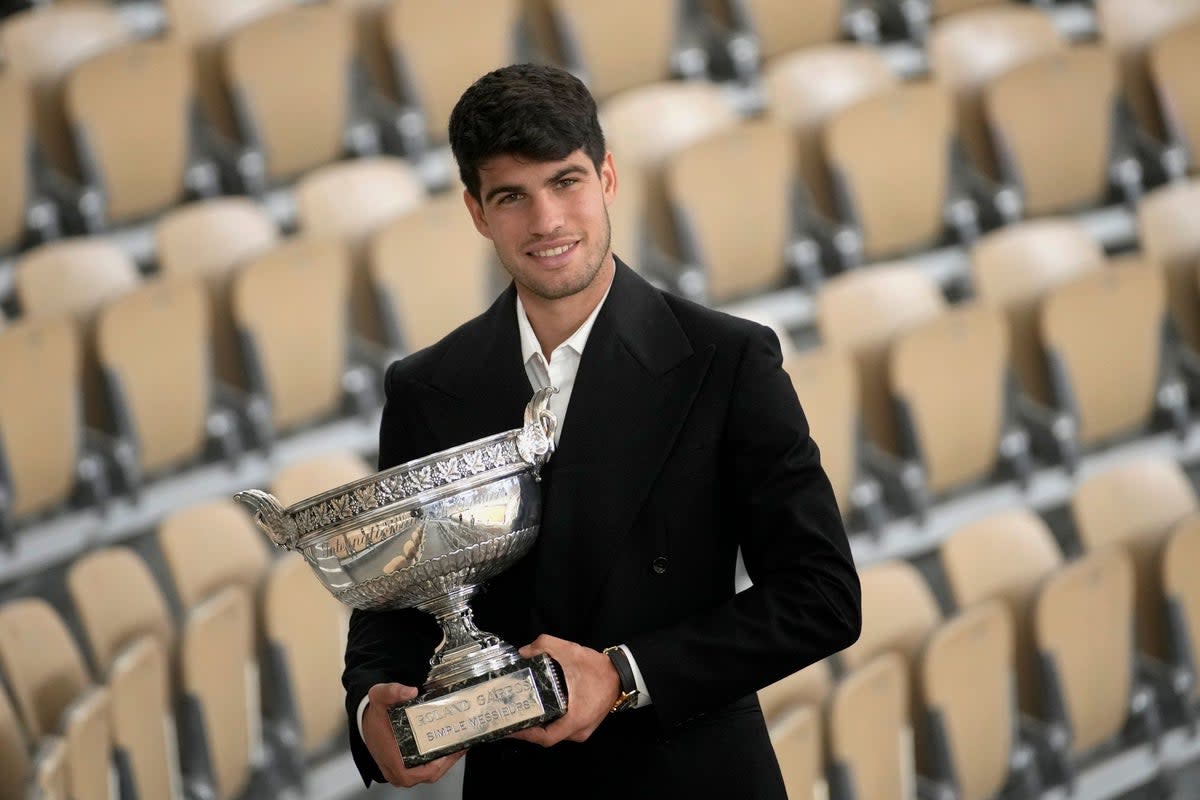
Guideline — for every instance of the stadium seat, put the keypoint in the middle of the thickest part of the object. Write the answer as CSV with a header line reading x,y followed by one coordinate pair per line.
x,y
209,547
42,46
968,51
808,687
295,353
309,478
768,30
905,197
282,137
1005,556
1173,64
139,686
16,758
1013,268
25,215
965,681
1171,241
862,312
212,239
899,612
806,88
1180,563
1134,505
75,276
800,751
1053,121
755,164
870,738
372,49
417,305
133,171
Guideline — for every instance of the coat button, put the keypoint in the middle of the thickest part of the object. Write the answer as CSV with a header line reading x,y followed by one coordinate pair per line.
x,y
659,565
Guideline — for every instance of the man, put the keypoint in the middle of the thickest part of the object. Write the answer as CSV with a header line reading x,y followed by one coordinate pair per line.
x,y
681,440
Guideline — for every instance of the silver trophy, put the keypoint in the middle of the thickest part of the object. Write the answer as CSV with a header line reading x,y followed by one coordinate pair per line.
x,y
428,534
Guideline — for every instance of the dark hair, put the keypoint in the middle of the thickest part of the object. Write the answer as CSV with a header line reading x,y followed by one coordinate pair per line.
x,y
534,111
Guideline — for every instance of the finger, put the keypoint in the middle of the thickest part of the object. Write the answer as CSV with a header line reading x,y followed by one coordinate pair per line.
x,y
390,694
434,770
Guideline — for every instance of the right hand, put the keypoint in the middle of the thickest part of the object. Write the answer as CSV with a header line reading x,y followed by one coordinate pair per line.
x,y
378,736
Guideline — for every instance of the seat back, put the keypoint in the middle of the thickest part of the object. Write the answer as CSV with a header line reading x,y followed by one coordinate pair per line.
x,y
156,336
621,44
307,627
806,88
969,51
139,688
42,46
756,165
1006,556
427,304
16,762
41,664
1083,624
1015,267
1105,329
1171,242
949,373
40,381
1133,505
352,199
314,476
73,276
16,138
827,385
139,168
899,612
300,346
1180,562
117,601
917,122
781,26
862,313
1173,68
310,45
1052,121
966,681
799,749
805,688
870,739
88,732
438,70
211,546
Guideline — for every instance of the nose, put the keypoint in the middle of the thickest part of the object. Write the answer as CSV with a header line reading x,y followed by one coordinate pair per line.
x,y
545,214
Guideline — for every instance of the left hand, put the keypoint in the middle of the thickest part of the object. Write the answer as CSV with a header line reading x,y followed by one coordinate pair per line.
x,y
592,688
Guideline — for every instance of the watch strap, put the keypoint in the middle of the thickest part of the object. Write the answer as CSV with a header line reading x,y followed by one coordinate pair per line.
x,y
629,690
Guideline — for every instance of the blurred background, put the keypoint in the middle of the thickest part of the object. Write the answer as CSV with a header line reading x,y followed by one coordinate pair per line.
x,y
975,225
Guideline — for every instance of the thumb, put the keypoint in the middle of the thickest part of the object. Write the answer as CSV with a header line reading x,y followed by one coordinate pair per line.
x,y
389,694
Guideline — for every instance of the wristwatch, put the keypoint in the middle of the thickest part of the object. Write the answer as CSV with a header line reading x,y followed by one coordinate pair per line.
x,y
629,691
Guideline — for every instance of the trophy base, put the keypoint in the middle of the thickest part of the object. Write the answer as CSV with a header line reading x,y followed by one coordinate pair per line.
x,y
477,710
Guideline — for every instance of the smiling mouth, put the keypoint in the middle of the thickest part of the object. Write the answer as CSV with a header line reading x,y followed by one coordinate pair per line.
x,y
553,251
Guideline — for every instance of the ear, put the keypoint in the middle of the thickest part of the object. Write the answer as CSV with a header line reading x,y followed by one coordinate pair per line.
x,y
608,178
476,211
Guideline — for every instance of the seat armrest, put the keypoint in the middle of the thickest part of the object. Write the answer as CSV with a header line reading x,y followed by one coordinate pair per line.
x,y
803,259
903,480
860,20
916,16
1054,430
1171,401
361,391
122,454
202,178
221,428
1016,453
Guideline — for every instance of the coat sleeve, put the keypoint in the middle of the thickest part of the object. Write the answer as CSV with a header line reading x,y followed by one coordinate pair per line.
x,y
805,602
386,646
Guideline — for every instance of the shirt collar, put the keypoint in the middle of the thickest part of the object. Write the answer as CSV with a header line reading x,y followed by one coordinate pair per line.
x,y
576,341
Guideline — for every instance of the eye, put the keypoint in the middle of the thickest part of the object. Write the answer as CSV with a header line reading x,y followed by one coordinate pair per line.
x,y
565,182
508,199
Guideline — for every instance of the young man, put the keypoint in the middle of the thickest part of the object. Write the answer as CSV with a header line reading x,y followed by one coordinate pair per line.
x,y
680,440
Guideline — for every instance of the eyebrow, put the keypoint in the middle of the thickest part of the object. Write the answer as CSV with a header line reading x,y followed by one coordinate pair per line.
x,y
570,169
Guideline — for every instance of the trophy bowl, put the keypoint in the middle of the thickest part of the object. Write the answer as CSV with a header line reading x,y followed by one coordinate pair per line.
x,y
427,534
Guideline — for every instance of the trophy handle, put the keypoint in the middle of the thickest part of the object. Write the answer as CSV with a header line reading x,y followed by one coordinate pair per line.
x,y
535,442
270,517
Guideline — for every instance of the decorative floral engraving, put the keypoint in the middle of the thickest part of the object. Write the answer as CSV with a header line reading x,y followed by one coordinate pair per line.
x,y
388,491
424,478
447,471
365,497
473,462
339,507
532,443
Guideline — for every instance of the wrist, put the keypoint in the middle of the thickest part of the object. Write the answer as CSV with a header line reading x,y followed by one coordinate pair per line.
x,y
627,695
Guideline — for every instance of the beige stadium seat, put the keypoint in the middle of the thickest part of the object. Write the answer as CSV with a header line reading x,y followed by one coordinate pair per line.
x,y
16,758
1103,336
965,680
755,164
870,737
799,749
310,46
1171,241
204,26
1053,122
211,546
804,89
1013,269
1130,27
1134,505
314,476
294,352
74,276
1005,556
25,215
805,688
969,51
117,601
899,612
42,46
136,170
369,24
862,312
139,686
430,72
1180,563
766,30
212,239
948,379
305,632
1173,64
417,305
897,199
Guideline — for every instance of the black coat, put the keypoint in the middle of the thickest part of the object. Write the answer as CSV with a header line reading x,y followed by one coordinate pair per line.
x,y
683,442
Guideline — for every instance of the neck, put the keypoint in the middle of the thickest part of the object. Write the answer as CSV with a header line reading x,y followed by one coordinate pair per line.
x,y
553,321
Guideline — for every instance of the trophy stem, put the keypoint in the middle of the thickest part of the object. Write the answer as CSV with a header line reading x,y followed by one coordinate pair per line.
x,y
465,651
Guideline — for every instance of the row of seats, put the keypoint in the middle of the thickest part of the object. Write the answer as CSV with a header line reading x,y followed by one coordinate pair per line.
x,y
1101,649
216,676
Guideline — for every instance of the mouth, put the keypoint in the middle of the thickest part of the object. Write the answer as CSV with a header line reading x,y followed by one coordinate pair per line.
x,y
554,256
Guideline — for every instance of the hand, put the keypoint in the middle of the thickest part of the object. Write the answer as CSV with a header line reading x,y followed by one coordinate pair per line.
x,y
592,688
378,736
